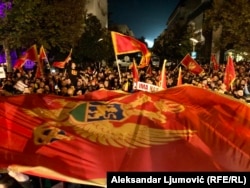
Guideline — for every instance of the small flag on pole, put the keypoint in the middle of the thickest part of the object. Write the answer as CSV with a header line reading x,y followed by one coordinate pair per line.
x,y
179,79
163,80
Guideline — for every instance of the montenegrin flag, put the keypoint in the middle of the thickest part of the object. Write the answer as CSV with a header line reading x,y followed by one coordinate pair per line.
x,y
215,63
163,78
230,74
30,54
40,63
80,139
61,64
124,44
135,72
191,65
179,78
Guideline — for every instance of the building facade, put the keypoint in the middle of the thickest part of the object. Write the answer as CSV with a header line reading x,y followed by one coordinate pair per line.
x,y
99,8
189,15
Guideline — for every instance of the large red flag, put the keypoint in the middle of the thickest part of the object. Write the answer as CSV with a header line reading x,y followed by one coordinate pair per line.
x,y
230,74
30,54
79,139
191,65
124,44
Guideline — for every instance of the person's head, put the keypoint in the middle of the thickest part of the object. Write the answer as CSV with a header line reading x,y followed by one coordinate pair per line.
x,y
79,92
71,91
106,83
73,65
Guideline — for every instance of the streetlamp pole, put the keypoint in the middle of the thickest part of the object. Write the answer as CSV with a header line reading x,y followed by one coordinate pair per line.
x,y
194,42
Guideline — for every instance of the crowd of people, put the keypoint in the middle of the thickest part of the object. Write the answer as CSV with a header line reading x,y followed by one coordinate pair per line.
x,y
76,80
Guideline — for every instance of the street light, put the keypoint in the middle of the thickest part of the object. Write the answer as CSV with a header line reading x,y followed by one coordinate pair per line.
x,y
100,39
194,42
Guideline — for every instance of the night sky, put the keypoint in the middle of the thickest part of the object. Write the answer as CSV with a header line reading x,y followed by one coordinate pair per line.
x,y
147,18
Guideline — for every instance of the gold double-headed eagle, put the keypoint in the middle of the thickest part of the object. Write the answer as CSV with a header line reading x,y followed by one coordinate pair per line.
x,y
127,134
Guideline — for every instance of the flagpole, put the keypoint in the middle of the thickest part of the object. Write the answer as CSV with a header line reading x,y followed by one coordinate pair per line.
x,y
118,68
68,58
65,72
40,182
177,66
48,63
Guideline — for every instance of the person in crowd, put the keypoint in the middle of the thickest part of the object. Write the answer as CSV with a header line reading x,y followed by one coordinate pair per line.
x,y
13,179
73,73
